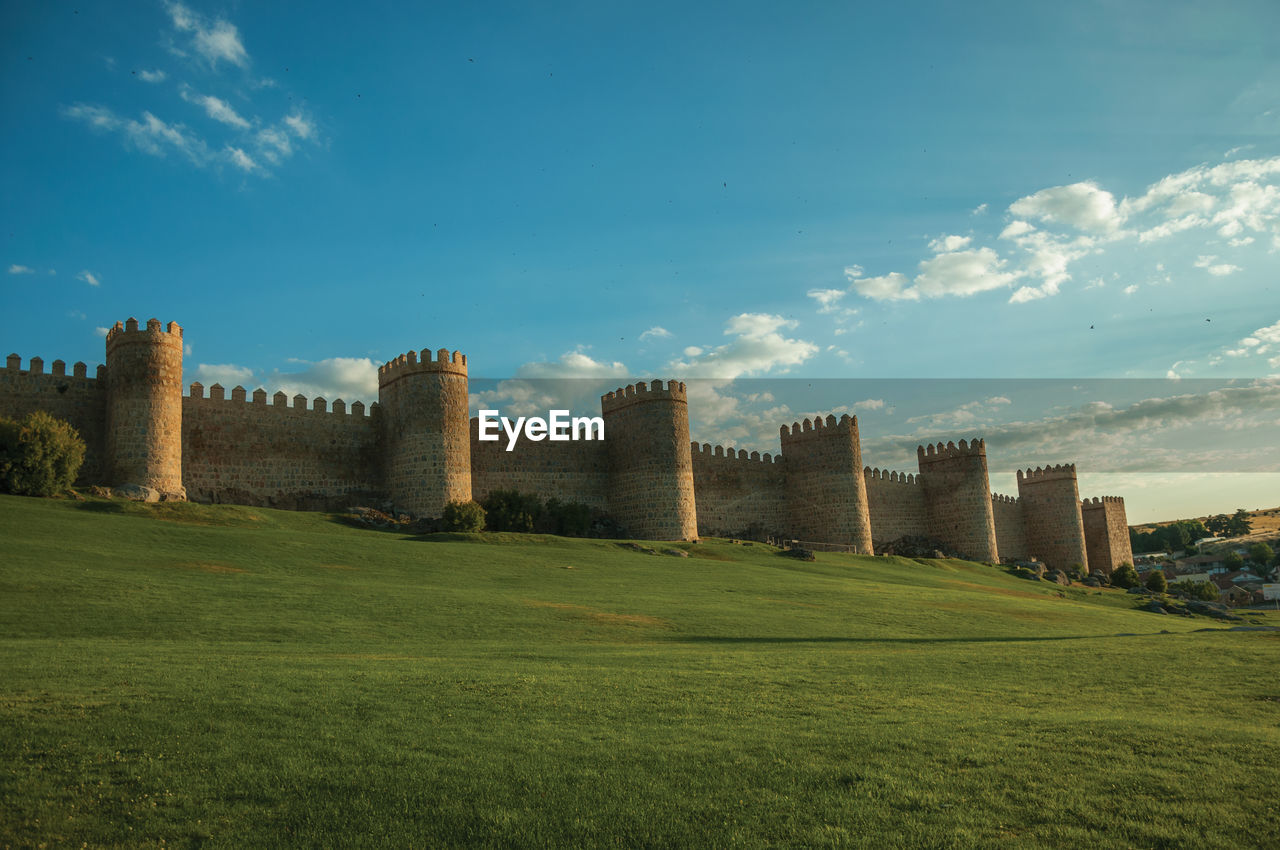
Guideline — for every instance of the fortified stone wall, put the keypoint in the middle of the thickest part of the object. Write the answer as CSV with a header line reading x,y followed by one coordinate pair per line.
x,y
1011,537
1051,508
650,466
739,493
571,471
75,398
895,501
1106,533
418,448
826,494
957,498
243,451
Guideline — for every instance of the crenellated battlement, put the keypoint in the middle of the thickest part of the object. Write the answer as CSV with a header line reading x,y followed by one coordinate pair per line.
x,y
280,401
128,331
816,428
143,425
876,474
57,369
640,392
932,453
412,362
707,452
1049,473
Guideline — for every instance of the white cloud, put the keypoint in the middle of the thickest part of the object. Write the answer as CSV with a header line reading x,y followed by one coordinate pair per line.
x,y
226,374
217,40
240,159
692,351
301,127
150,135
962,273
945,244
826,298
1260,342
17,269
101,331
89,278
1130,289
1016,228
216,108
979,209
274,144
1050,231
1083,206
890,287
758,347
347,378
573,365
156,76
1209,264
655,332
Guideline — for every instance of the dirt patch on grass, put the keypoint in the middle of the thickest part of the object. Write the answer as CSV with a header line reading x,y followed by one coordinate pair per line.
x,y
605,617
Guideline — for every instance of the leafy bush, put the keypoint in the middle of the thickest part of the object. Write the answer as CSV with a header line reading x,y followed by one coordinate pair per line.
x,y
1156,581
39,456
1233,561
1124,576
1260,553
1204,590
508,510
568,519
463,516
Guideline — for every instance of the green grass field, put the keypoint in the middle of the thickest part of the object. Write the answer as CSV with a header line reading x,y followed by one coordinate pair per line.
x,y
180,675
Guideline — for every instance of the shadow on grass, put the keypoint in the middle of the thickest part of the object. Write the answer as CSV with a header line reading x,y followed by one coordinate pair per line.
x,y
920,640
101,507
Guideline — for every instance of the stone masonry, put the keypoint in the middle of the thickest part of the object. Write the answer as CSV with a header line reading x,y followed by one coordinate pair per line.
x,y
415,449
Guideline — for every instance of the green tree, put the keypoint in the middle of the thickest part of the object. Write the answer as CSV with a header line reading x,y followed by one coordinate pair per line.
x,y
39,456
1219,524
1124,576
1233,561
1156,581
463,516
1261,554
1241,523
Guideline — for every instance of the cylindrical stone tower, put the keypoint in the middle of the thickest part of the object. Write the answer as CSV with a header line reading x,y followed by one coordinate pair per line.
x,y
826,489
425,431
650,466
957,498
144,406
1051,512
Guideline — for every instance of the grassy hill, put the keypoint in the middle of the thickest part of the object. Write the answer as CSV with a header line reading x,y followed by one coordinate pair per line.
x,y
182,675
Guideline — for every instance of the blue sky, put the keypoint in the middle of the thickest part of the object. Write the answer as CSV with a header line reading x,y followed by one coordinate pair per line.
x,y
733,193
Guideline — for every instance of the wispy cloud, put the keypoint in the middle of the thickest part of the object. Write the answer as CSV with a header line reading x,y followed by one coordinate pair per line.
x,y
89,278
655,332
216,108
300,125
19,269
1047,232
215,40
151,135
156,76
